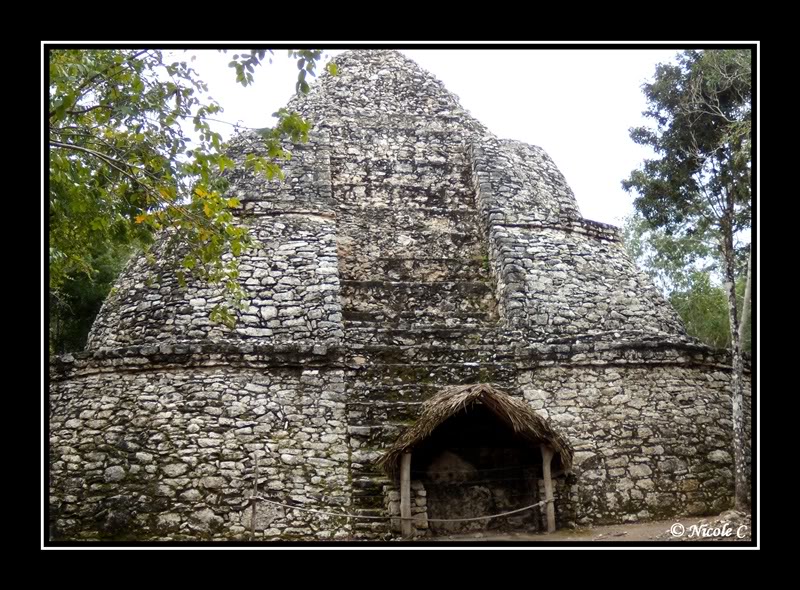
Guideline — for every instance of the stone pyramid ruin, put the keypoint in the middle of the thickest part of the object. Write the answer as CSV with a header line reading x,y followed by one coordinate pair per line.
x,y
408,251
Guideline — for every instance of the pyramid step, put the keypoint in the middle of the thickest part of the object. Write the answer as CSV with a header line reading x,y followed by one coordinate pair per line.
x,y
399,168
411,218
380,413
372,508
364,239
429,335
371,528
405,268
419,319
482,339
455,359
365,434
443,194
448,302
417,383
367,486
420,392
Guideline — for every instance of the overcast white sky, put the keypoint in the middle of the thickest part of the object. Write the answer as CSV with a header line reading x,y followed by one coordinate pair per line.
x,y
576,104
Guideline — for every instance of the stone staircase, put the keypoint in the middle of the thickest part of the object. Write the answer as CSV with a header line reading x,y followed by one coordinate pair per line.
x,y
418,305
391,372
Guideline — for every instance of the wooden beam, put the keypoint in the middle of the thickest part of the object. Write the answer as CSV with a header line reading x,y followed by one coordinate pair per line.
x,y
547,457
405,494
253,502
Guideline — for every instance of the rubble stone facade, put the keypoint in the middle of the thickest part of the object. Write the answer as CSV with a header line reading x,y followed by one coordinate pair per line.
x,y
407,249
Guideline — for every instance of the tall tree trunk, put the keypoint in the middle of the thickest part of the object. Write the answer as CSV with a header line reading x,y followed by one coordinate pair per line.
x,y
737,373
744,326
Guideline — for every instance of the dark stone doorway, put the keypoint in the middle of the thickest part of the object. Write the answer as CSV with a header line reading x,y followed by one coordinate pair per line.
x,y
473,465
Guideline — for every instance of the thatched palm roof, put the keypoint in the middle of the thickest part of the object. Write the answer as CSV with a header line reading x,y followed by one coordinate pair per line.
x,y
519,417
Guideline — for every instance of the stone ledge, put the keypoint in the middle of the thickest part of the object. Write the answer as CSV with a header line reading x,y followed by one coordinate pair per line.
x,y
191,354
595,229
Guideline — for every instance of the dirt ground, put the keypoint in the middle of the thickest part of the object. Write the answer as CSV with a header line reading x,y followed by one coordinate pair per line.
x,y
729,526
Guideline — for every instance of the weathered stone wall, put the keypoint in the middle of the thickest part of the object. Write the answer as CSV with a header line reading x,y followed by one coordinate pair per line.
x,y
290,276
407,250
307,184
650,424
402,210
562,281
520,183
159,442
556,273
410,244
156,445
419,508
650,420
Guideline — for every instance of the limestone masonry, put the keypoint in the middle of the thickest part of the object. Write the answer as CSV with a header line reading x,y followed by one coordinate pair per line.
x,y
408,249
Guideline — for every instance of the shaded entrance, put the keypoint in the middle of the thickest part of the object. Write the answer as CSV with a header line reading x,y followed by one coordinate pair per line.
x,y
474,465
477,451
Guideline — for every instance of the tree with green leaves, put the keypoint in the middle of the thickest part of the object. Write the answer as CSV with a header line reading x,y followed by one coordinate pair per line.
x,y
74,306
699,183
687,271
122,165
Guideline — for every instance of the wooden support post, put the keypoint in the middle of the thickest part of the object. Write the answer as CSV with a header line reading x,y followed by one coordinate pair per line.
x,y
547,456
405,494
253,502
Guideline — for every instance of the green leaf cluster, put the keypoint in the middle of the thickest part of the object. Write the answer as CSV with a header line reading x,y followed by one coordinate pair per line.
x,y
703,307
701,111
122,165
693,200
686,268
74,306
